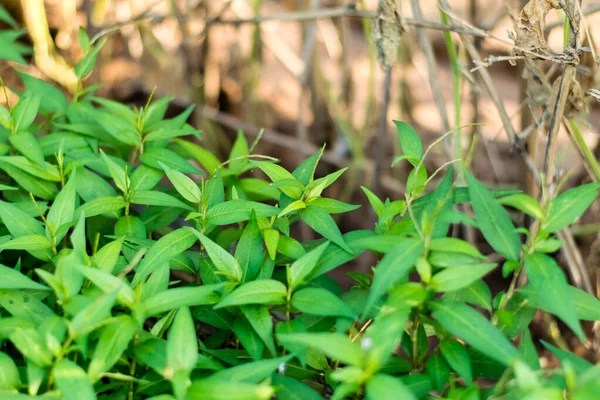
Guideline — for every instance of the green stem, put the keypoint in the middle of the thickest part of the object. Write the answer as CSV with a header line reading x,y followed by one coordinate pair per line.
x,y
456,79
585,149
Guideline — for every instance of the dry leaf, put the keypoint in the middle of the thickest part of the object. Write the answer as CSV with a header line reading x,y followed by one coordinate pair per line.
x,y
386,32
530,27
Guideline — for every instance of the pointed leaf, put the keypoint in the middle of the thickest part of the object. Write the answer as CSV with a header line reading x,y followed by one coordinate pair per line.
x,y
165,248
493,220
323,223
467,324
550,283
256,292
223,261
394,266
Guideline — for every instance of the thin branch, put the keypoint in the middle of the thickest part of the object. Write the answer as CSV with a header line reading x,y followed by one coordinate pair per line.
x,y
434,80
382,132
299,16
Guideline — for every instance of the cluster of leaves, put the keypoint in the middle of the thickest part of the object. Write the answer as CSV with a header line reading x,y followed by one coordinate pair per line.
x,y
10,48
138,265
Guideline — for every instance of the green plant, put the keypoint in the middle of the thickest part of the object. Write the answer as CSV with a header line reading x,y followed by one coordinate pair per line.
x,y
119,284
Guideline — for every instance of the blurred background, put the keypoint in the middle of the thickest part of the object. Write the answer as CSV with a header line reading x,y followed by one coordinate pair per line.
x,y
336,73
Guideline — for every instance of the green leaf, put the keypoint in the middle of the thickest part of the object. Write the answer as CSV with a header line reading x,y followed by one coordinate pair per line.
x,y
25,111
52,99
455,245
31,344
565,208
256,292
239,149
523,203
316,187
277,173
24,305
288,388
109,283
394,266
186,187
10,278
29,242
181,297
385,334
85,66
578,364
211,389
152,198
318,301
271,241
28,145
477,293
84,40
5,120
117,173
332,206
249,251
409,140
166,134
261,321
252,372
63,209
18,222
154,156
458,358
43,189
100,205
587,307
438,370
45,171
91,316
114,340
493,220
165,248
467,324
182,344
6,17
386,387
204,157
248,338
293,206
223,261
72,381
106,258
145,178
9,378
303,267
528,352
131,227
90,185
324,224
456,278
335,345
522,312
235,211
376,203
550,283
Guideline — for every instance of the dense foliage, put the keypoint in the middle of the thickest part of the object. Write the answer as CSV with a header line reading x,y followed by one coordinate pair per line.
x,y
135,264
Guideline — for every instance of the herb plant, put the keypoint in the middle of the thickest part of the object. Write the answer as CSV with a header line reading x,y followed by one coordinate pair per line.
x,y
136,265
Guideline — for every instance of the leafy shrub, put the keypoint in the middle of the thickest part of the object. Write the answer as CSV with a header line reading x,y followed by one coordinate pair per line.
x,y
122,284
